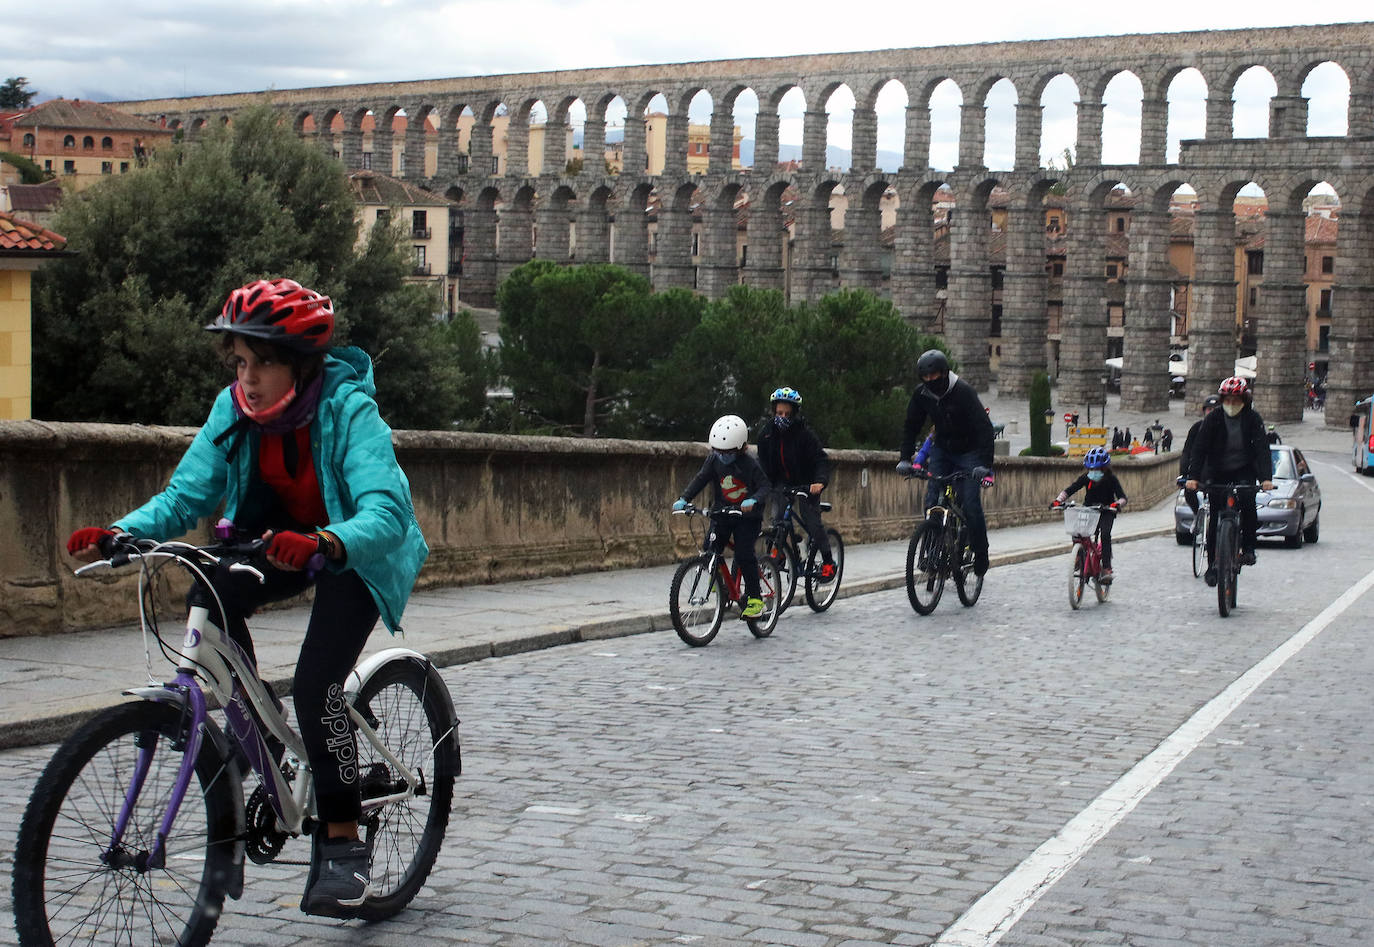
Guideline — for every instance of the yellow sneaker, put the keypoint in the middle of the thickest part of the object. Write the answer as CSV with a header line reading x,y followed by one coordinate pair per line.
x,y
753,608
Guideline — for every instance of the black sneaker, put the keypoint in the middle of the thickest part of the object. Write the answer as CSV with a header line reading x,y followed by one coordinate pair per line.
x,y
980,563
1247,557
339,877
1210,576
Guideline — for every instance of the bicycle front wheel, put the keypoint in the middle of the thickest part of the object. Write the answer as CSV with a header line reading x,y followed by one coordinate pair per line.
x,y
407,704
770,590
1224,556
71,887
1199,544
967,582
695,603
820,595
1078,562
925,577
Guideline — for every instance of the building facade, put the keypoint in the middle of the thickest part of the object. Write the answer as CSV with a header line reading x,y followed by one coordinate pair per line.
x,y
81,142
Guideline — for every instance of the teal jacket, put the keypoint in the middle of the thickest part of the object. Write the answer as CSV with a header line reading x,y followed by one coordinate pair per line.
x,y
366,494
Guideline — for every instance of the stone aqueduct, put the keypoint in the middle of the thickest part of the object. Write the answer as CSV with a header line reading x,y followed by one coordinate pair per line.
x,y
1286,165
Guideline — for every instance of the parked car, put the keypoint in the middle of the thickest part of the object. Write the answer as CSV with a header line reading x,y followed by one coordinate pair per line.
x,y
1292,511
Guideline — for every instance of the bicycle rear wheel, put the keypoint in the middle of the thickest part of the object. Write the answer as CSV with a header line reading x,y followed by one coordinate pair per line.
x,y
784,557
1225,559
69,887
411,710
1077,566
695,602
925,575
820,595
1199,544
770,590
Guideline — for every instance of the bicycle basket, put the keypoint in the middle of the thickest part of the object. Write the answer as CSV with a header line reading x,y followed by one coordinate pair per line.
x,y
1080,521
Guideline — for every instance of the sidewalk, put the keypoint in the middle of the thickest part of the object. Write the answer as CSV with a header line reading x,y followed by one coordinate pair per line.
x,y
52,683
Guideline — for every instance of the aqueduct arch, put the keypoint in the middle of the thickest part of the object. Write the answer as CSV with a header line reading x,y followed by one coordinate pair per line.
x,y
609,212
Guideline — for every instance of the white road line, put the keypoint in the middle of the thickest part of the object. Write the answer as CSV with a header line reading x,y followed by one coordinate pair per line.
x,y
1360,479
992,915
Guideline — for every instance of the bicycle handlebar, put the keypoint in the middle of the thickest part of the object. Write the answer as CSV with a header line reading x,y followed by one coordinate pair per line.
x,y
923,474
693,510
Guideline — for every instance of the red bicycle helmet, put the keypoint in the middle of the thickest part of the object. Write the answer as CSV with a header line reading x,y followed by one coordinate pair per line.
x,y
1235,385
279,311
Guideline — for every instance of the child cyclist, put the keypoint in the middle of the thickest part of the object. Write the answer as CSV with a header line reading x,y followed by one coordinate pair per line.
x,y
793,459
1103,490
296,451
739,482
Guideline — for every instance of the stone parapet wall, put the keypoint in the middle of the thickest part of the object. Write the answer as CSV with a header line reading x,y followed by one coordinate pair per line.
x,y
493,507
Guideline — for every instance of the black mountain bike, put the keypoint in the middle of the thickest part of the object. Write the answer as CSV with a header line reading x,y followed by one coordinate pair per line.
x,y
939,549
1226,556
788,548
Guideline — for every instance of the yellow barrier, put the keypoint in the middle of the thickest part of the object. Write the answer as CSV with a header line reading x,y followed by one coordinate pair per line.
x,y
1084,439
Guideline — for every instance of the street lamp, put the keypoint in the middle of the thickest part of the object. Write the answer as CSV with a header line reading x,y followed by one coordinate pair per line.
x,y
1105,380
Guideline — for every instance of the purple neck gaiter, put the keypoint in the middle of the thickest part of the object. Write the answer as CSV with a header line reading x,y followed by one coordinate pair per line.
x,y
299,413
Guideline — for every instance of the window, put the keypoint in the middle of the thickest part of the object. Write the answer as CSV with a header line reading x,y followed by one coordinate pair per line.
x,y
462,164
1254,295
1056,269
69,141
107,143
29,140
419,224
123,167
996,280
107,167
1111,270
69,167
421,267
1325,303
996,328
495,164
1328,264
1053,225
1121,225
696,244
47,164
88,143
367,161
744,255
1255,263
1323,338
383,216
403,163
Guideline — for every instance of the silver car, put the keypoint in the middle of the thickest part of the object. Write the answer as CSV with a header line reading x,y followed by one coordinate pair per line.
x,y
1291,511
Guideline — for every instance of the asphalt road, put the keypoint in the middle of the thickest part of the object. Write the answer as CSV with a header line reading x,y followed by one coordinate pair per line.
x,y
1139,772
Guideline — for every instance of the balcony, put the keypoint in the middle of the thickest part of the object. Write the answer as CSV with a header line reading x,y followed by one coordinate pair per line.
x,y
455,268
421,233
419,269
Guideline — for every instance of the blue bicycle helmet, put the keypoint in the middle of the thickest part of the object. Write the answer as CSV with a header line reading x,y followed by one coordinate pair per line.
x,y
1097,458
785,394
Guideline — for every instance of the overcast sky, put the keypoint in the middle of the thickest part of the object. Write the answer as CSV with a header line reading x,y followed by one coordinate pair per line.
x,y
158,49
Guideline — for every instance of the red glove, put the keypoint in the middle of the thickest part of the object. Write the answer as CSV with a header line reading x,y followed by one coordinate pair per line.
x,y
294,549
86,536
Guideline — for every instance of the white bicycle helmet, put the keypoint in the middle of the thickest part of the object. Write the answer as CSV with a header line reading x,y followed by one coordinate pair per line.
x,y
729,433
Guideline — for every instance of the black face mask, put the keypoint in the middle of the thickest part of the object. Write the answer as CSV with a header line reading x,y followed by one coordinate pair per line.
x,y
938,386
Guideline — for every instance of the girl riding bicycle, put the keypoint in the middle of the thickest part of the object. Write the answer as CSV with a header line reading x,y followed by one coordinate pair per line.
x,y
739,482
297,452
792,457
1102,489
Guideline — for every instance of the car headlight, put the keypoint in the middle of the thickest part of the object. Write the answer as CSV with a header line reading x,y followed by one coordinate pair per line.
x,y
1279,504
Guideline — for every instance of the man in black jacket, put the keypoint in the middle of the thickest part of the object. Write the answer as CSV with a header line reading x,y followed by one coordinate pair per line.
x,y
1231,447
793,459
963,441
1190,496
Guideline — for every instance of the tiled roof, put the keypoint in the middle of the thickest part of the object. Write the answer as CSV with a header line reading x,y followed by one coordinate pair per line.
x,y
35,197
77,114
371,187
19,237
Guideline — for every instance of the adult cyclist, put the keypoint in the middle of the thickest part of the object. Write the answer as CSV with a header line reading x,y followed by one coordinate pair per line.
x,y
963,441
1231,447
793,458
1190,496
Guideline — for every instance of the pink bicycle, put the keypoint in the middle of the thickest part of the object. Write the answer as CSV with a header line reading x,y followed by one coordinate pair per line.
x,y
1083,524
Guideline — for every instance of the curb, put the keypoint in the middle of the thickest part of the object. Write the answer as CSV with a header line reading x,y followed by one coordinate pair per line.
x,y
56,727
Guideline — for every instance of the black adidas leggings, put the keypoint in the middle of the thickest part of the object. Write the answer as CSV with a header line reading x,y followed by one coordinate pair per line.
x,y
343,616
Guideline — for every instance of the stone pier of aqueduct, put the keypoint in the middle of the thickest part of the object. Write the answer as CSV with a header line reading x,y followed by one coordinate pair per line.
x,y
504,212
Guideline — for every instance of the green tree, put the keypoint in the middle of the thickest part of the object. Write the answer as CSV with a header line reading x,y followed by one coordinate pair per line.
x,y
573,338
116,327
15,93
29,171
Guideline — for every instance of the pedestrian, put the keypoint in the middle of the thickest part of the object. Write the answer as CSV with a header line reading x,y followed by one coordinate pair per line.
x,y
1149,438
1116,438
1166,440
1127,441
963,441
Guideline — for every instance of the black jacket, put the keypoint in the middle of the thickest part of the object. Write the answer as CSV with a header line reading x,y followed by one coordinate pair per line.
x,y
961,423
1106,490
1209,446
734,482
1188,444
793,457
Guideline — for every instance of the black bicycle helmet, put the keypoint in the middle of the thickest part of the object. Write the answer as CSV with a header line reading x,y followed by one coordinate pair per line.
x,y
932,361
